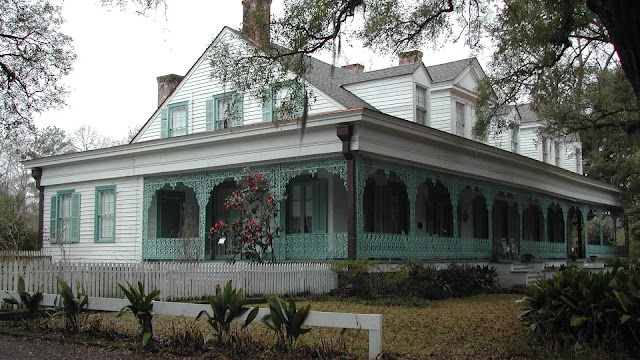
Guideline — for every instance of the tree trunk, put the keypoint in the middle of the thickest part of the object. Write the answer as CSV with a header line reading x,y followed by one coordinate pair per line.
x,y
620,18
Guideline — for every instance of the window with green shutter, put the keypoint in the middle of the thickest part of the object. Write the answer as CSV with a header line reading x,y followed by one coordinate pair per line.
x,y
105,214
174,120
224,111
284,101
64,222
306,206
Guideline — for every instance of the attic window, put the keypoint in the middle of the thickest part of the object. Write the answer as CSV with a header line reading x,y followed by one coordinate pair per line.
x,y
224,111
460,118
421,105
174,120
285,101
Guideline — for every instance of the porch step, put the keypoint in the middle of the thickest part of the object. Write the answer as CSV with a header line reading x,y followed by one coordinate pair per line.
x,y
533,277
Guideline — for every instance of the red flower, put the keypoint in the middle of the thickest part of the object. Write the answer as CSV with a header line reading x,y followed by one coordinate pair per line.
x,y
244,211
259,176
217,225
227,207
252,222
267,235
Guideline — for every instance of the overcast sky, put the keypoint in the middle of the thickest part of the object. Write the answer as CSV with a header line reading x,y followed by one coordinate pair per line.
x,y
113,84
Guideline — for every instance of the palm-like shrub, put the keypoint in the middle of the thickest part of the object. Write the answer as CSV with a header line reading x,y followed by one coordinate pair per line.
x,y
71,305
28,306
225,306
286,321
141,306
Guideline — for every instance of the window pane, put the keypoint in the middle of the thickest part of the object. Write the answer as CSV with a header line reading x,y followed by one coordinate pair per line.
x,y
106,212
178,121
65,216
460,119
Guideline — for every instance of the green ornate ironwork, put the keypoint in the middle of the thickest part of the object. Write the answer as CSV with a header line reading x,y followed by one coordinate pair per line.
x,y
414,176
311,246
202,183
544,250
606,251
171,249
396,246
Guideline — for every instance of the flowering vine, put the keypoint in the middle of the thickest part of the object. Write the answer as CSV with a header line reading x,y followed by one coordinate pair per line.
x,y
252,233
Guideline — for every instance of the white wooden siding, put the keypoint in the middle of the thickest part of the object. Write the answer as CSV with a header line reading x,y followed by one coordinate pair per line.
x,y
530,143
393,96
441,110
198,86
568,156
127,245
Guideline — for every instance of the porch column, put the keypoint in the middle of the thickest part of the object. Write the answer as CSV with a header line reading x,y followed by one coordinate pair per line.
x,y
600,216
412,193
584,211
344,133
520,237
454,194
202,196
490,196
565,217
544,203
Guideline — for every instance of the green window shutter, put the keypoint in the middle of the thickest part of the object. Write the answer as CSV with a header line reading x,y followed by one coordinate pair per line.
x,y
75,218
320,206
267,109
209,114
238,99
53,219
164,123
96,217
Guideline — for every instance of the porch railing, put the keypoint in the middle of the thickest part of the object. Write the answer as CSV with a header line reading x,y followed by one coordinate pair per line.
x,y
606,251
544,250
172,249
311,246
396,246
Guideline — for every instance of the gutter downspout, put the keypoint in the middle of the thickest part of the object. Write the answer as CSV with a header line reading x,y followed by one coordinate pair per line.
x,y
345,132
36,173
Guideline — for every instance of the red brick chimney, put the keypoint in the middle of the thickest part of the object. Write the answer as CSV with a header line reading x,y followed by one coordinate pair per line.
x,y
354,68
166,85
410,57
255,20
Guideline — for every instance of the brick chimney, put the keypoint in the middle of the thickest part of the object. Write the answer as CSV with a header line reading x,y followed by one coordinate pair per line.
x,y
255,20
166,85
354,68
410,57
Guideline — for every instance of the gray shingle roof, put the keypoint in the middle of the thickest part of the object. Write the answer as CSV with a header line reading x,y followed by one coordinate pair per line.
x,y
448,71
527,114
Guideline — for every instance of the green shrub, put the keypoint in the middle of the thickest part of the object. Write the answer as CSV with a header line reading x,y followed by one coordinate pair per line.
x,y
141,306
225,306
28,307
72,305
577,308
354,277
286,321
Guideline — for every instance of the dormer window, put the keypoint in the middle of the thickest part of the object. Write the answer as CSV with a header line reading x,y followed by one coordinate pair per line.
x,y
174,120
421,105
515,135
545,150
460,118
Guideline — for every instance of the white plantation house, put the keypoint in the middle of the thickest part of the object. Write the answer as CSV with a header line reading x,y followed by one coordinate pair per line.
x,y
387,169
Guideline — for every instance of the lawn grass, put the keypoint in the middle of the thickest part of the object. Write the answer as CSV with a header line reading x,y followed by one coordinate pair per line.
x,y
479,327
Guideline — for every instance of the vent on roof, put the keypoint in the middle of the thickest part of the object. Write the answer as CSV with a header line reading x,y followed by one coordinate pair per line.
x,y
354,68
410,57
255,20
166,85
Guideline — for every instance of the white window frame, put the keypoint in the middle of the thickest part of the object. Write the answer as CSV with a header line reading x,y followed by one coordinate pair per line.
x,y
460,127
422,106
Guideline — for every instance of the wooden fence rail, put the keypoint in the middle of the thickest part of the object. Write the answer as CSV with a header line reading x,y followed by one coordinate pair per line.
x,y
176,281
370,322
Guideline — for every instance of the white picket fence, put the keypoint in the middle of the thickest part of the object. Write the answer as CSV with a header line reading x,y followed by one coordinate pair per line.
x,y
176,281
31,254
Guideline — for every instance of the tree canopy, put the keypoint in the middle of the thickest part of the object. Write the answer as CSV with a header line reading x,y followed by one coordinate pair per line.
x,y
34,56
